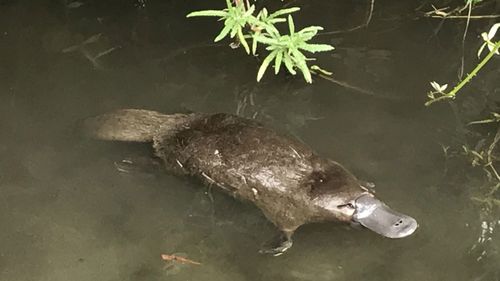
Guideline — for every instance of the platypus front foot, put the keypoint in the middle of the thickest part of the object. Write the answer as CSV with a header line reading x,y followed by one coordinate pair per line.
x,y
278,245
367,185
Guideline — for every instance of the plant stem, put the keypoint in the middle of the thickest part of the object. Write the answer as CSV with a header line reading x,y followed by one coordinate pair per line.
x,y
452,93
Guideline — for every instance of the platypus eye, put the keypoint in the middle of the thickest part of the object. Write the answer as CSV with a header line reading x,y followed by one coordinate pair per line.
x,y
347,205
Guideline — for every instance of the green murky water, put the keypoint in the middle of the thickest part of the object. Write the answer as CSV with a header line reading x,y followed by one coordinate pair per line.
x,y
67,214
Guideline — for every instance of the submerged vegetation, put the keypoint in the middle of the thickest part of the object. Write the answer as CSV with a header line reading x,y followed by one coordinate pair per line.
x,y
474,143
242,23
483,153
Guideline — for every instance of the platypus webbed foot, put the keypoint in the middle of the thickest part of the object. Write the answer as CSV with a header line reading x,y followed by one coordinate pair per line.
x,y
278,245
141,165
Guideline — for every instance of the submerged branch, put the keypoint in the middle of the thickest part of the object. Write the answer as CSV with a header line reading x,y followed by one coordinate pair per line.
x,y
464,17
442,13
354,88
490,153
365,24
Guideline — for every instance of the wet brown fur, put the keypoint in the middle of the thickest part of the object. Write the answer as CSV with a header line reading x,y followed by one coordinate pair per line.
x,y
279,174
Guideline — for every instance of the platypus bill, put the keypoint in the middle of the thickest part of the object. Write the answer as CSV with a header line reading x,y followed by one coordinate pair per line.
x,y
283,177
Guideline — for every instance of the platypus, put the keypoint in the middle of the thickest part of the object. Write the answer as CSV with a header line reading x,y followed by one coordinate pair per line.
x,y
290,183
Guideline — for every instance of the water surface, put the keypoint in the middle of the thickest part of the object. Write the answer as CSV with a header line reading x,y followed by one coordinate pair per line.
x,y
66,213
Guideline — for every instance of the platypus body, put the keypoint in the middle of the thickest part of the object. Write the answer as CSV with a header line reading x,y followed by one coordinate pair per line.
x,y
283,177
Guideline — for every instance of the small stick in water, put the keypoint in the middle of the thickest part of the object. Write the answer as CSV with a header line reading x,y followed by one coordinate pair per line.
x,y
178,259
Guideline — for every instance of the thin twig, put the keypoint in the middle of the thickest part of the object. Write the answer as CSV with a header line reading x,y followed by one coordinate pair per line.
x,y
345,84
103,53
464,17
352,87
365,24
441,13
452,93
490,153
462,60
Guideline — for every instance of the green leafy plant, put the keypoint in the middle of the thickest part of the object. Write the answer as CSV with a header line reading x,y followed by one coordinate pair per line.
x,y
240,23
288,49
235,19
439,93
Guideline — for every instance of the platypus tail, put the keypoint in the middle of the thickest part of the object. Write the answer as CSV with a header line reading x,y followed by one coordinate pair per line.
x,y
135,125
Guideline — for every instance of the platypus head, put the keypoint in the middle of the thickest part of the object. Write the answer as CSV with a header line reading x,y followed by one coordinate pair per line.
x,y
338,195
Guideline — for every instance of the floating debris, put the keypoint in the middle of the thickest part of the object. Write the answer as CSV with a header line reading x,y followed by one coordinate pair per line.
x,y
74,5
178,259
91,56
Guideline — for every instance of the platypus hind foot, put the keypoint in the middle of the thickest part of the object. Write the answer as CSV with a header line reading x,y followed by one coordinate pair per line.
x,y
278,245
138,165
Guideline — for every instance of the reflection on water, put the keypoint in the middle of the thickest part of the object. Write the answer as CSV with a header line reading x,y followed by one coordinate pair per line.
x,y
66,213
